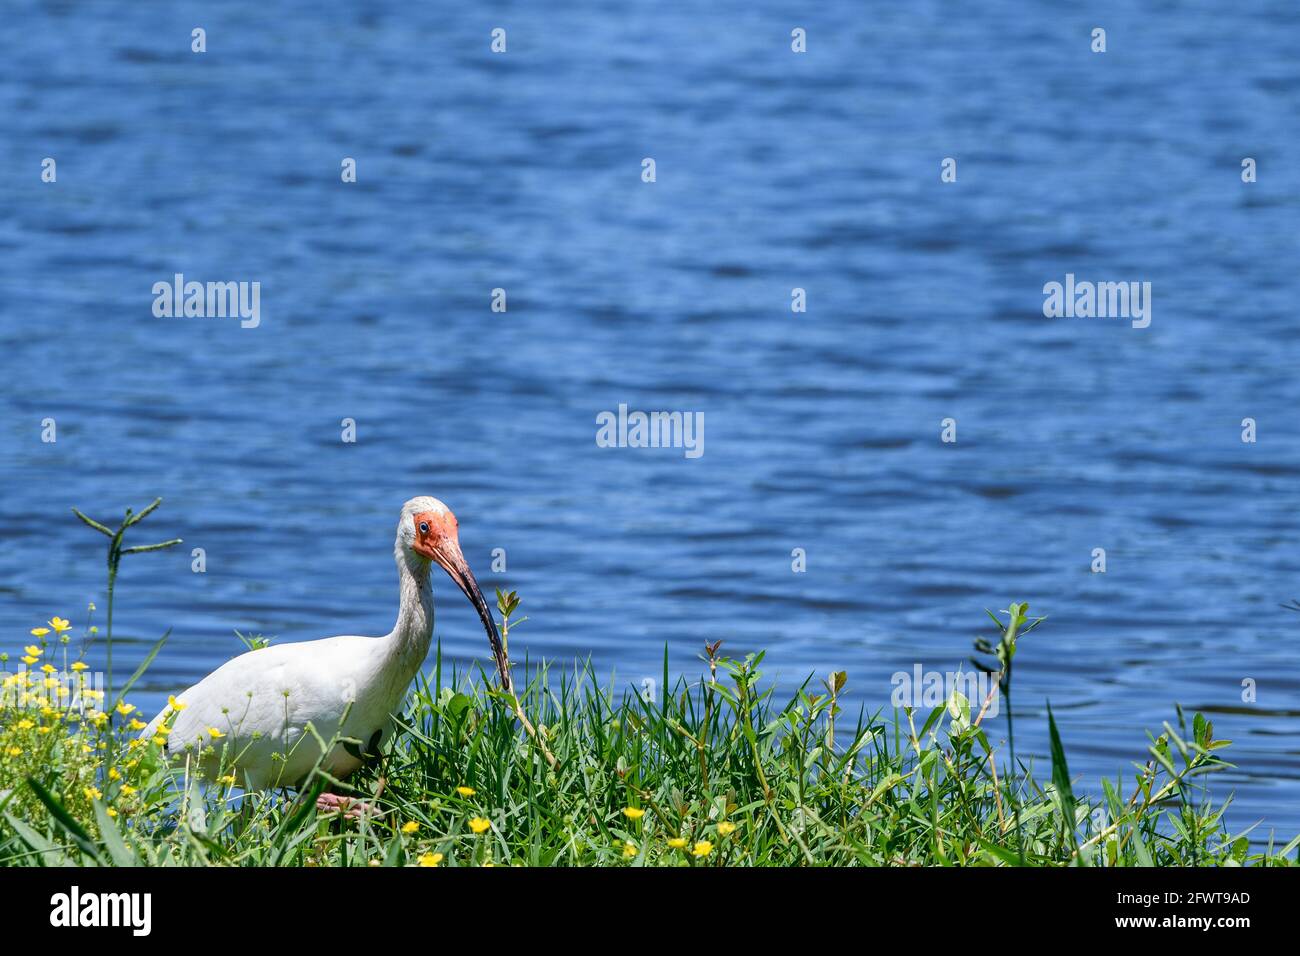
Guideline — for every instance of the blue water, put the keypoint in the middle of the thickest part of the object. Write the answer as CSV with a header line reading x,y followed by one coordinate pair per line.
x,y
522,171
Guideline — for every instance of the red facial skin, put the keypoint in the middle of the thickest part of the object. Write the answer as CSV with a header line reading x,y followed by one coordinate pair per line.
x,y
441,541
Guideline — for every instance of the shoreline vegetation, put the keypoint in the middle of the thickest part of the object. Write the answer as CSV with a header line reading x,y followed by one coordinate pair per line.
x,y
716,771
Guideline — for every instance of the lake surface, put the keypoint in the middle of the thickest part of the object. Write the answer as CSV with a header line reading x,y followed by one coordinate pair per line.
x,y
775,170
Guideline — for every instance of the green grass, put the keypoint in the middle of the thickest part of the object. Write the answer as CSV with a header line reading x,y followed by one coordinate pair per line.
x,y
720,771
720,761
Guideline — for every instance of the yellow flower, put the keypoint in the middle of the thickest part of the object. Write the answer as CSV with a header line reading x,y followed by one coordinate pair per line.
x,y
479,824
228,780
40,631
430,859
124,708
92,793
215,733
111,812
59,624
703,848
127,790
137,724
29,659
159,739
629,849
465,791
49,668
31,650
175,704
410,826
80,666
677,842
15,751
633,813
114,774
726,828
26,724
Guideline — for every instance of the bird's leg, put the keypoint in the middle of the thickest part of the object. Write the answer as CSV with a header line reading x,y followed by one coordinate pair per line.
x,y
351,807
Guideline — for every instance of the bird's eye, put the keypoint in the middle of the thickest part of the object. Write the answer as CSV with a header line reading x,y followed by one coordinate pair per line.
x,y
424,527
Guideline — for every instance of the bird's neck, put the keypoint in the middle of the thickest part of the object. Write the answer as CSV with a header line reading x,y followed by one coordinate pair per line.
x,y
414,628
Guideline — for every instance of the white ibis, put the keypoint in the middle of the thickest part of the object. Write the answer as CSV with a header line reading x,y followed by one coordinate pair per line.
x,y
254,709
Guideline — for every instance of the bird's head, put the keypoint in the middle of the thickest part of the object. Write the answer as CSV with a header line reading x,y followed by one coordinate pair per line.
x,y
428,531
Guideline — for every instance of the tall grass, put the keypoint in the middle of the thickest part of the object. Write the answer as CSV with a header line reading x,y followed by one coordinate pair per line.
x,y
719,770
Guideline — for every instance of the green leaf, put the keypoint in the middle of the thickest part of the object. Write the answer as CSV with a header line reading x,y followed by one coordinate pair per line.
x,y
1061,777
112,837
64,819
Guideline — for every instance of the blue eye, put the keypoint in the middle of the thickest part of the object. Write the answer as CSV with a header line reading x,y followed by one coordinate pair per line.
x,y
424,527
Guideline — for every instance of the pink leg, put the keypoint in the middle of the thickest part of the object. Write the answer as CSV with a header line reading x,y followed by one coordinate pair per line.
x,y
350,807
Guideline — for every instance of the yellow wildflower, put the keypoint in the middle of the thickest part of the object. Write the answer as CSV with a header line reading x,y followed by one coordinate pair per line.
x,y
430,859
677,842
59,624
159,739
175,704
80,666
40,631
479,824
215,733
124,708
114,773
137,724
111,812
703,848
29,660
31,650
410,826
228,780
629,849
633,813
49,668
465,791
26,724
127,790
726,828
15,751
92,793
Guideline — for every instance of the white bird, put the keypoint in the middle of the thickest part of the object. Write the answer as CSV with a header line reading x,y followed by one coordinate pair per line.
x,y
250,716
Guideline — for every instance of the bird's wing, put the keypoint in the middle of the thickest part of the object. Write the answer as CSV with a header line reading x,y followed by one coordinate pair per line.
x,y
260,703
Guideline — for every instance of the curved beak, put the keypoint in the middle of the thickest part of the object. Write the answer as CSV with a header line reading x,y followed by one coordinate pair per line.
x,y
453,562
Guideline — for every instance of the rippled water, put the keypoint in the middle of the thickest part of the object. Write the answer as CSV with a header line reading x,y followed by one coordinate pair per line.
x,y
775,170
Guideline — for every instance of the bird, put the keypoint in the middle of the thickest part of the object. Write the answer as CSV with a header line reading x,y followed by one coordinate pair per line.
x,y
250,717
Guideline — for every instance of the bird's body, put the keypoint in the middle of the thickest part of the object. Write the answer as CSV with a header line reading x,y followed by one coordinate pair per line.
x,y
262,703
